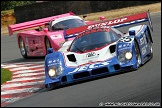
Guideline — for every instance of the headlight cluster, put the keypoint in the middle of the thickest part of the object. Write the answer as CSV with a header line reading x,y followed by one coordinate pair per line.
x,y
55,71
125,56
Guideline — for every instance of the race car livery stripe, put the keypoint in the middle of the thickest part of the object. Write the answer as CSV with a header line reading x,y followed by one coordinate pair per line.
x,y
140,29
129,23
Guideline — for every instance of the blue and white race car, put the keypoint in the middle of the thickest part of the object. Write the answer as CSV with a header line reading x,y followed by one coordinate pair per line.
x,y
100,49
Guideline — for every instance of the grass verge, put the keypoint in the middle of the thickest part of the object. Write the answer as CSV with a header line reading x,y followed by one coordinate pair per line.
x,y
6,75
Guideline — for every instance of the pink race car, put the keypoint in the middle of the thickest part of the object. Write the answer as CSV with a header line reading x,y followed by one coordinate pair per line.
x,y
34,43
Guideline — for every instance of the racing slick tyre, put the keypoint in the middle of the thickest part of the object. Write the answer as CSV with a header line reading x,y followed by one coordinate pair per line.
x,y
138,56
46,86
150,46
47,44
23,48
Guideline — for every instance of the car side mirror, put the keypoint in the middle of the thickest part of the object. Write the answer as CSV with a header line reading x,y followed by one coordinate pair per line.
x,y
132,32
84,16
102,18
119,34
45,30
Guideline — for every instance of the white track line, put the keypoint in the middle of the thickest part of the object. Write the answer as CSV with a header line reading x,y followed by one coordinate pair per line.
x,y
8,66
32,78
19,68
21,84
22,65
29,71
28,74
23,69
19,90
2,65
16,67
37,66
10,100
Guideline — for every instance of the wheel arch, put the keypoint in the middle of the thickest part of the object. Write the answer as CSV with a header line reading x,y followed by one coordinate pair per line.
x,y
46,37
18,40
149,34
139,51
51,45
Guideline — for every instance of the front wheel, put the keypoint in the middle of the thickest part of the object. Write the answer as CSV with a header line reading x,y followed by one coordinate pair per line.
x,y
47,44
150,47
138,56
23,48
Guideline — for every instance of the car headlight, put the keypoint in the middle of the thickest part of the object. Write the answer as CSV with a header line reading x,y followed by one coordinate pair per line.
x,y
125,56
121,57
55,71
52,72
59,70
128,55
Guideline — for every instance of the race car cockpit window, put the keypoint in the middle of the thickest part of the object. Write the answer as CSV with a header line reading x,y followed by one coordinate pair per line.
x,y
70,23
93,41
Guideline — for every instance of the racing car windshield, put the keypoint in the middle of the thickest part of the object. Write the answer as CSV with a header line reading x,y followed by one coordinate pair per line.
x,y
70,23
93,40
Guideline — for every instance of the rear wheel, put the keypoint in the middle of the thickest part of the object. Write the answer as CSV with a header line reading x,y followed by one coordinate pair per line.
x,y
23,48
138,56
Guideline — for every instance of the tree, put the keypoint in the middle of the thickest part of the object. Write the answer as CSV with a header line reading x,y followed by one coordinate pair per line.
x,y
7,5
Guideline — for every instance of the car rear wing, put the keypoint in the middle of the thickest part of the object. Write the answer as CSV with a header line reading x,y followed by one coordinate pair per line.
x,y
118,22
34,23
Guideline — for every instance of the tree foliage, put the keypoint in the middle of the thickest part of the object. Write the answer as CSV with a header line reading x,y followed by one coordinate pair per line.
x,y
7,5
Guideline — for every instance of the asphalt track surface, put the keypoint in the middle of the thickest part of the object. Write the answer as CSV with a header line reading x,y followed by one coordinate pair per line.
x,y
142,85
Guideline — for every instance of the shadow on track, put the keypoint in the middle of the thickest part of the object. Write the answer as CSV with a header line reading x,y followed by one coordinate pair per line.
x,y
84,81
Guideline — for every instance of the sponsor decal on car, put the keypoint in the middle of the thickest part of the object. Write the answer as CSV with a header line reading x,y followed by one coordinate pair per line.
x,y
56,36
91,66
108,23
90,54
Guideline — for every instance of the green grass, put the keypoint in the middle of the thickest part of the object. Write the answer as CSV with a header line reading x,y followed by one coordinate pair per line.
x,y
6,75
